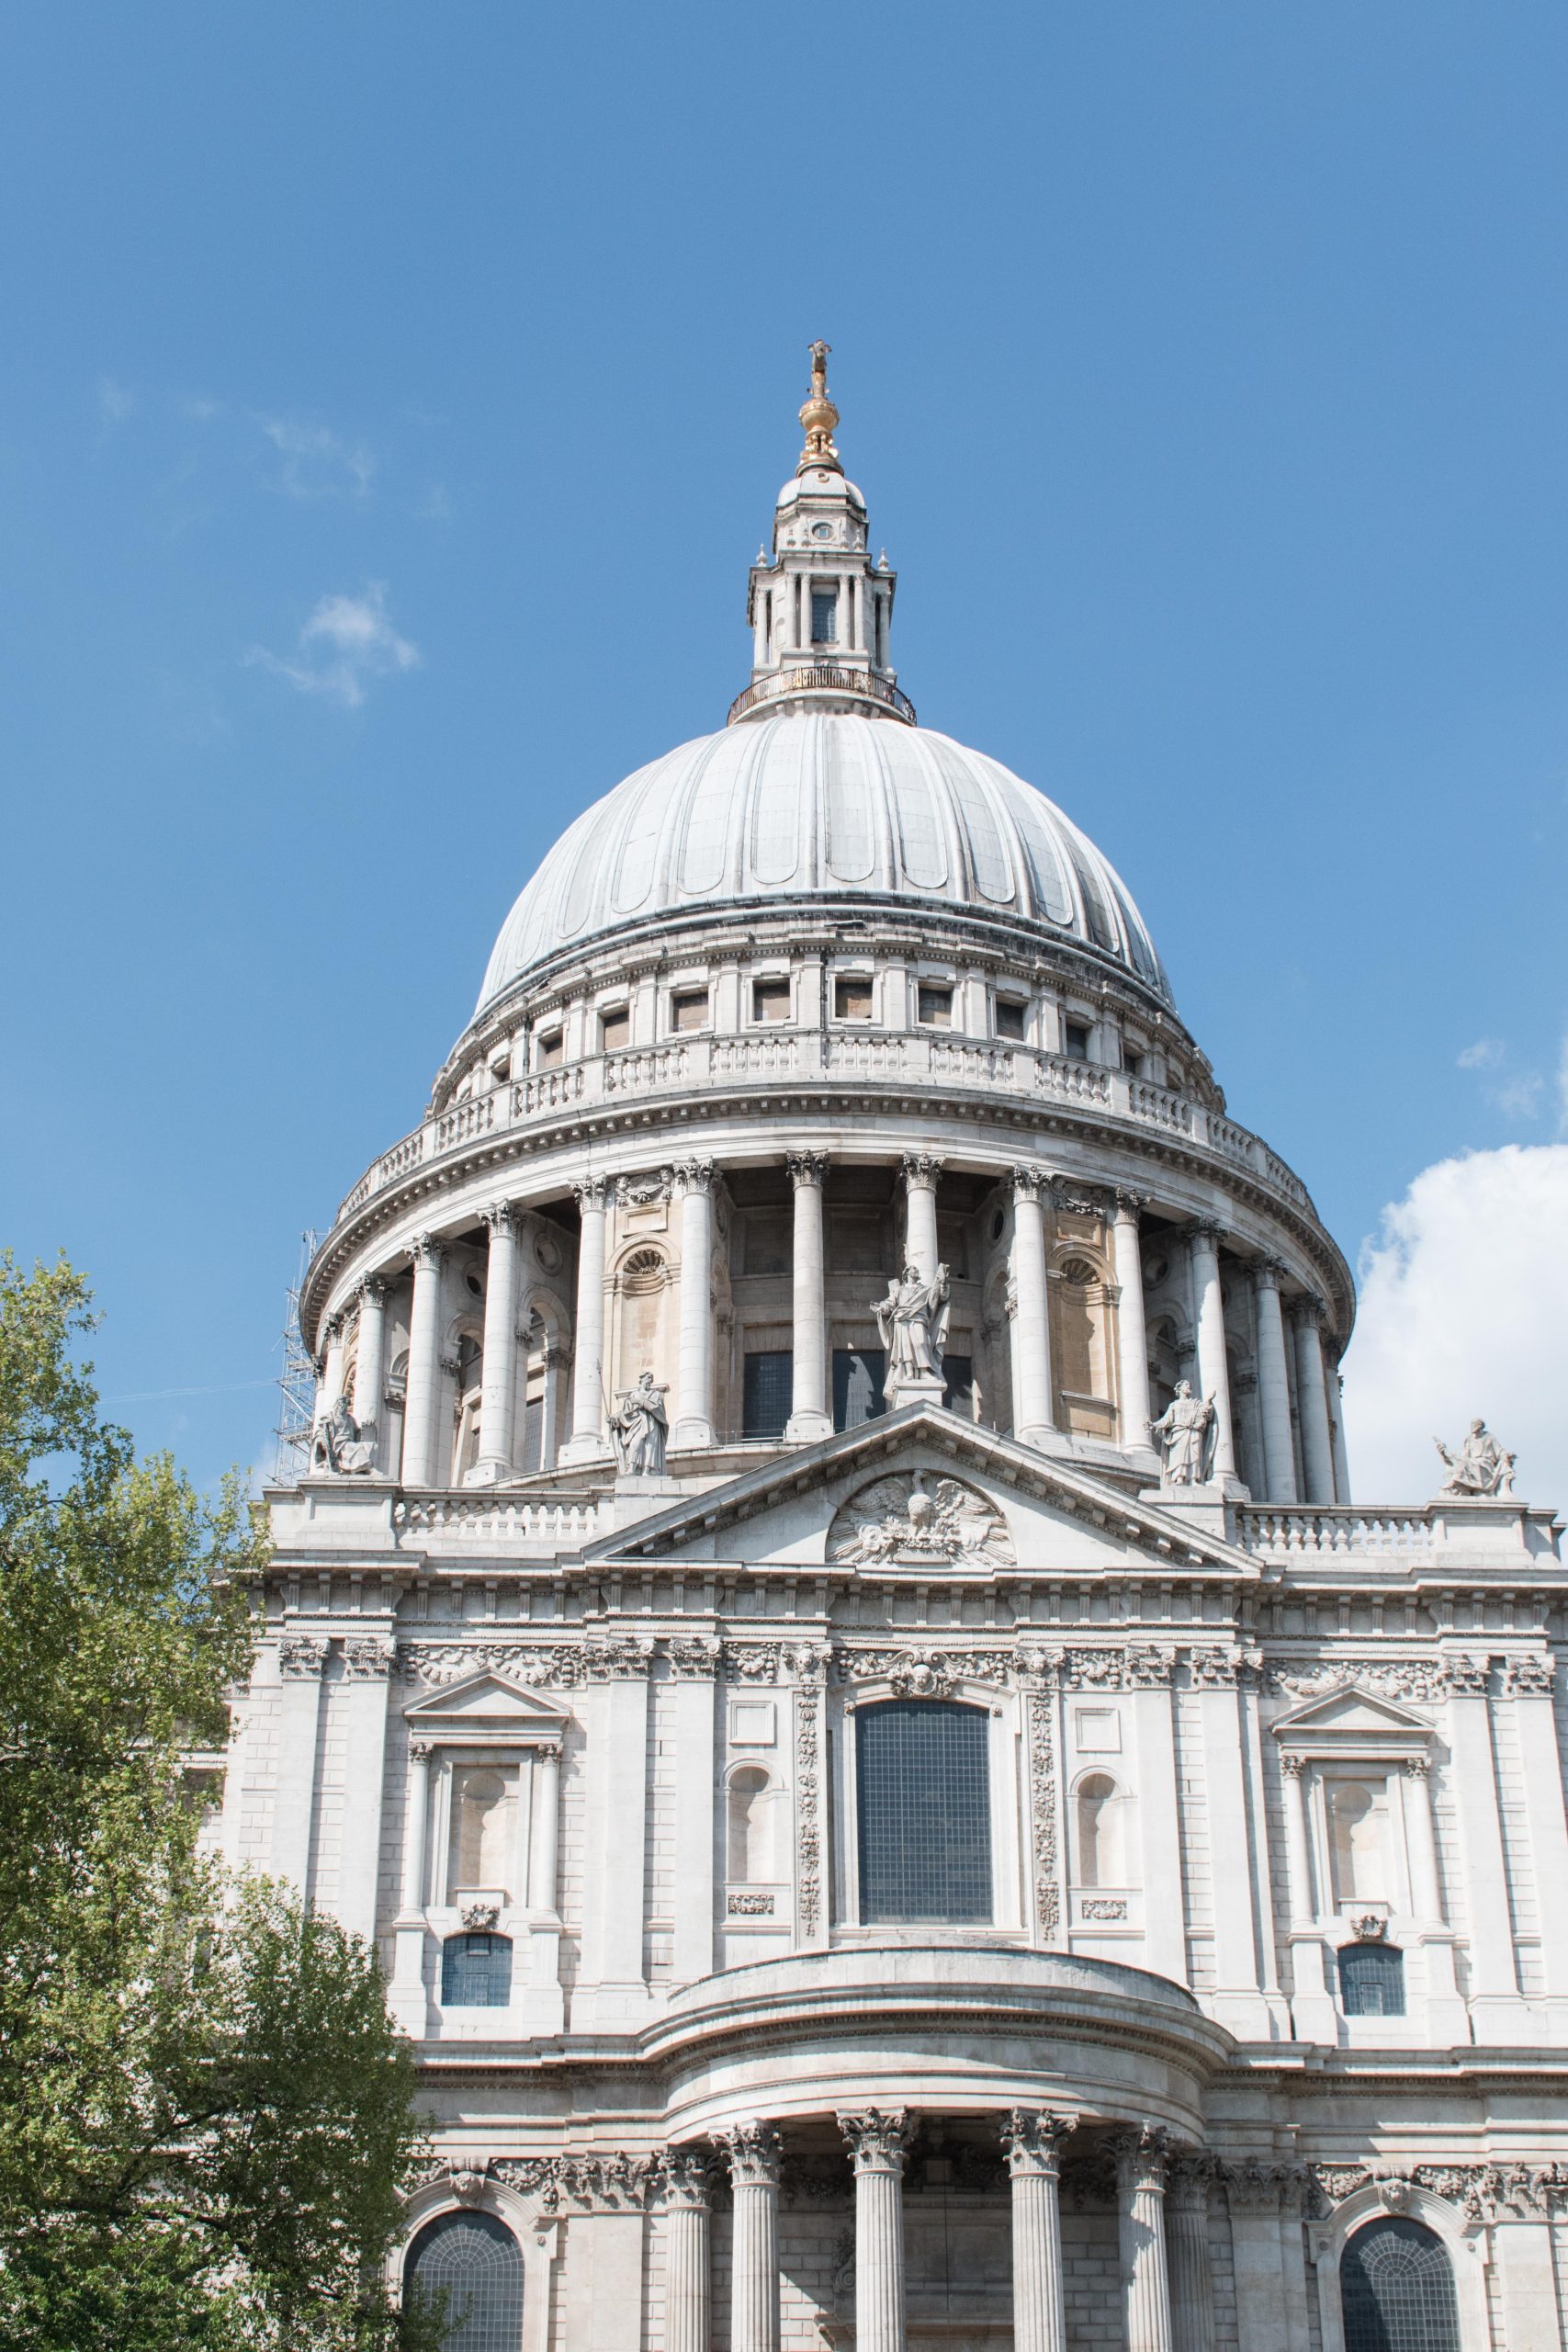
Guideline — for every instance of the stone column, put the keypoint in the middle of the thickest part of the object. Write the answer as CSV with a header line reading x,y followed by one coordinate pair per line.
x,y
1312,1402
753,2152
809,1415
1496,2008
1273,1386
694,1425
1187,2247
1031,1415
1140,2181
1213,1368
587,1442
498,1374
424,1364
301,1664
920,1171
879,2142
688,2207
370,1366
1034,2143
544,1829
1315,2017
406,1993
331,1362
1336,1430
1132,1343
1526,1684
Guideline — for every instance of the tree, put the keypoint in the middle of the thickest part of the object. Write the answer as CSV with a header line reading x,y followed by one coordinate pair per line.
x,y
206,2114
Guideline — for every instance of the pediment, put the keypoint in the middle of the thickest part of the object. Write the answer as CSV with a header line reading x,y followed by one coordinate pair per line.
x,y
919,1495
487,1703
1350,1717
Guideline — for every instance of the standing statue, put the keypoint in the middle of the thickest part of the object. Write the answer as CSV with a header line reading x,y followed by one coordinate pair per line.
x,y
640,1428
1186,1430
912,1320
1478,1468
338,1446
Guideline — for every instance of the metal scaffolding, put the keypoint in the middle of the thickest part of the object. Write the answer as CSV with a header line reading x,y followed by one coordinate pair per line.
x,y
296,1383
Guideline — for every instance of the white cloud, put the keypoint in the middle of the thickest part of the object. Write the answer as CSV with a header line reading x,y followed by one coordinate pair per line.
x,y
1464,1305
348,641
1485,1054
316,461
116,401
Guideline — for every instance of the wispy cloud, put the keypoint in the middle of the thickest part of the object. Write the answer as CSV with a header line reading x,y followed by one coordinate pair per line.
x,y
434,506
116,401
346,643
316,462
1517,1093
1485,1054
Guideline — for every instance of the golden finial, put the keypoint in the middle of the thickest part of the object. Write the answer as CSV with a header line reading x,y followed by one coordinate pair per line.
x,y
819,415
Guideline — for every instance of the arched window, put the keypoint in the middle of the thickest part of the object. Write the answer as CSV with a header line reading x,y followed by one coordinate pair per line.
x,y
1101,1832
923,1787
476,2263
1396,2291
1371,1981
476,1972
750,1825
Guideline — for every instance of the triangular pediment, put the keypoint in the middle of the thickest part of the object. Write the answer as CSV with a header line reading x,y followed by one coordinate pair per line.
x,y
487,1702
1347,1715
924,1494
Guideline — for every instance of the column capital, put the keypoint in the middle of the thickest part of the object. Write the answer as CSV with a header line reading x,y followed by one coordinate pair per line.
x,y
429,1252
547,1751
686,2178
1188,2174
1268,1273
421,1750
1205,1233
920,1170
1309,1310
753,2150
806,1168
501,1218
591,1194
331,1330
1294,1766
878,2137
1126,1205
1032,1183
372,1290
695,1175
1140,2153
1034,2139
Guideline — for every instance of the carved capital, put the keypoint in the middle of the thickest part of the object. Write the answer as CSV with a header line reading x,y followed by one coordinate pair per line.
x,y
1140,2154
694,1658
369,1657
807,1662
421,1750
1268,1273
1128,1206
1188,2174
429,1253
806,1168
695,1175
301,1655
501,1219
372,1292
1205,1233
686,2179
878,2137
1257,2187
1031,1183
1308,1312
1469,1672
1034,2139
331,1330
1527,1677
1150,1670
1294,1766
591,1196
920,1170
753,2151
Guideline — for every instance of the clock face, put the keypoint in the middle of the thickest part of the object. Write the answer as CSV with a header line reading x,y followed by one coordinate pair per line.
x,y
821,530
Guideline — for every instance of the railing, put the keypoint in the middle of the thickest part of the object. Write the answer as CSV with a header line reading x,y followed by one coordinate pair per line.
x,y
470,1520
824,677
917,1061
1342,1530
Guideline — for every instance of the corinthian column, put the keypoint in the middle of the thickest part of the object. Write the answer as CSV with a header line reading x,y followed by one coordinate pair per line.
x,y
1140,2179
1312,1402
1213,1368
1132,1343
370,1366
879,2142
498,1374
753,2152
920,1173
424,1366
1187,2241
694,1425
1273,1386
1034,2144
1031,1313
809,1417
586,1442
688,2206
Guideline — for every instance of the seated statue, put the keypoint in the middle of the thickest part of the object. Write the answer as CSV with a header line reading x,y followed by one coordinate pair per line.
x,y
1186,1431
338,1447
640,1428
1478,1468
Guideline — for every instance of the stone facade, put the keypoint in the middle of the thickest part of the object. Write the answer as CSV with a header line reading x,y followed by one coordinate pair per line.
x,y
1266,1794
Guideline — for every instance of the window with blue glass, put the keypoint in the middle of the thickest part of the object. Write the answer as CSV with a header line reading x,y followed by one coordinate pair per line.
x,y
858,1375
768,1378
1371,1981
1396,2291
924,1812
476,1972
824,617
474,2265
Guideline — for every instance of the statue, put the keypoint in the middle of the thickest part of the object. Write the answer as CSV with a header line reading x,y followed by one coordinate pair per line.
x,y
338,1446
820,351
1186,1430
1478,1468
912,1320
640,1428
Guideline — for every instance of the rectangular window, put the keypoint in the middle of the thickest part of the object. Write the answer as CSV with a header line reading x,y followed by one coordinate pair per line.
x,y
770,1000
934,1006
1074,1040
532,1454
1136,1065
851,999
824,617
924,1812
766,1383
552,1048
1371,1981
475,1972
500,1070
615,1028
1009,1016
858,1375
689,1009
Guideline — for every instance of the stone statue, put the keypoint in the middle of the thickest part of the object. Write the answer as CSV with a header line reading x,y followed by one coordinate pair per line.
x,y
1186,1430
640,1428
912,1320
1478,1468
338,1447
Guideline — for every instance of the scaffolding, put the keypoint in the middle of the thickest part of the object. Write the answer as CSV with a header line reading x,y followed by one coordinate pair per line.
x,y
296,1383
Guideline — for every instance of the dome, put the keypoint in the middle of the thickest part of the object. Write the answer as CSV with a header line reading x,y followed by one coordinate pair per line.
x,y
824,806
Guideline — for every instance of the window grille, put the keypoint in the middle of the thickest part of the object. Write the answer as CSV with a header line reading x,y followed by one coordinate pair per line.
x,y
1371,1981
858,1375
767,1381
924,1812
824,617
476,1972
1396,2291
475,2260
935,1007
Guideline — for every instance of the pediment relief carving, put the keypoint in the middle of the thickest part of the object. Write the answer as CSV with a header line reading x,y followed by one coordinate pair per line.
x,y
914,1519
485,1701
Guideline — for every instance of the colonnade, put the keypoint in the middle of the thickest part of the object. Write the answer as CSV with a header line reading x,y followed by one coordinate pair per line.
x,y
1166,2292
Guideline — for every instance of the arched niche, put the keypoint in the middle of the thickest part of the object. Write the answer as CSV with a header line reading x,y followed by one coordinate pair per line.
x,y
537,2237
1464,2240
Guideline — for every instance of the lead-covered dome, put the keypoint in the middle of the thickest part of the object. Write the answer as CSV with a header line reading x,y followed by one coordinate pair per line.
x,y
820,804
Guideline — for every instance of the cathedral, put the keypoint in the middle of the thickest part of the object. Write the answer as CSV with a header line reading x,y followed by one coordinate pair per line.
x,y
823,1632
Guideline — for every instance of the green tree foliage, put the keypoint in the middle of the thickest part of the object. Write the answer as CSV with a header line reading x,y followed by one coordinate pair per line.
x,y
206,2115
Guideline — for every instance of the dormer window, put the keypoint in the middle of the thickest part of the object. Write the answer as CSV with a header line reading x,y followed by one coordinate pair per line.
x,y
552,1047
770,1000
1074,1040
688,1007
1010,1014
935,1007
851,999
615,1028
824,617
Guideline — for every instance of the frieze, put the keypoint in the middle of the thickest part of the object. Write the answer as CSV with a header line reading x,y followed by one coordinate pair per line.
x,y
301,1655
1422,1680
807,1811
369,1657
1103,1907
1043,1816
1482,2192
613,2182
749,1906
644,1192
920,1673
694,1658
1527,1677
617,1657
1262,2187
816,2180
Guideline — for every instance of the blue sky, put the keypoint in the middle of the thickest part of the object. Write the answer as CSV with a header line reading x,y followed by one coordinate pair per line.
x,y
395,397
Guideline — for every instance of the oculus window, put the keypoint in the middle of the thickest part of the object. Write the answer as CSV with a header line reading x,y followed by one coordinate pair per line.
x,y
476,2263
476,1972
1396,2291
924,1812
